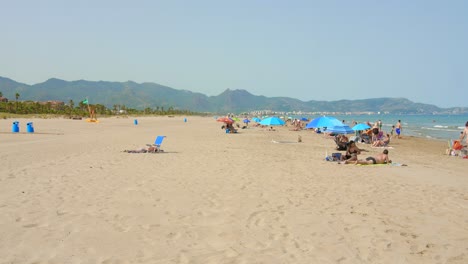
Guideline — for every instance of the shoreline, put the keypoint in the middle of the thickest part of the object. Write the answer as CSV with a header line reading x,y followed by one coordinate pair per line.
x,y
184,116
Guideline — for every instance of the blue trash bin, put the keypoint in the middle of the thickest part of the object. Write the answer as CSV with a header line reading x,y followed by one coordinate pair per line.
x,y
30,127
135,122
15,127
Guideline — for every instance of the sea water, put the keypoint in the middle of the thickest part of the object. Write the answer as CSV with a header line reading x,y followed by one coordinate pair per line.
x,y
438,127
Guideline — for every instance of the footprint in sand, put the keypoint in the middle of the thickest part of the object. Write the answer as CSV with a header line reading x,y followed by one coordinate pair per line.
x,y
255,219
173,235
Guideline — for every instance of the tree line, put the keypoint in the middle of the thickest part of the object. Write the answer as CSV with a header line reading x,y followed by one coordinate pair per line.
x,y
81,109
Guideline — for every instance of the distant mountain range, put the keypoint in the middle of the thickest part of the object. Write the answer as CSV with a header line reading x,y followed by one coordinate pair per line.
x,y
143,95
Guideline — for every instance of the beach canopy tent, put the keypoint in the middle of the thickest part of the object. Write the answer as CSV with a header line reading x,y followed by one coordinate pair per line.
x,y
343,129
324,121
360,126
272,121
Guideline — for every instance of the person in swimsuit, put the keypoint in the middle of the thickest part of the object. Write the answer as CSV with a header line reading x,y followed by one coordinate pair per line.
x,y
351,152
464,134
398,128
382,142
381,158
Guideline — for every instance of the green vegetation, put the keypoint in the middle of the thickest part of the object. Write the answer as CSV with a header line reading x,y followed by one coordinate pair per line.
x,y
51,108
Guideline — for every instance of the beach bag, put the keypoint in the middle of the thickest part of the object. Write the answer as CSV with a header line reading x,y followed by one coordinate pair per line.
x,y
457,145
336,156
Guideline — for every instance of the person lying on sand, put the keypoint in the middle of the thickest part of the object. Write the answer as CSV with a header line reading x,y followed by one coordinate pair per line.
x,y
148,149
381,158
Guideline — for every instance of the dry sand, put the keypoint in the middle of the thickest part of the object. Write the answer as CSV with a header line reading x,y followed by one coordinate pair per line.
x,y
68,194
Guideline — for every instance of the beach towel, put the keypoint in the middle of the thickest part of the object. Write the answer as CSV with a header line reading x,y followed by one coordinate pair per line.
x,y
336,156
386,164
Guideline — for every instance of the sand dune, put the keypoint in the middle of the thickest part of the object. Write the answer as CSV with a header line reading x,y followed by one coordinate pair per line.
x,y
69,194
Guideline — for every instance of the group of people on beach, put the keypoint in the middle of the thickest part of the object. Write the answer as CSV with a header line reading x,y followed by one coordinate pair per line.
x,y
459,145
374,136
352,152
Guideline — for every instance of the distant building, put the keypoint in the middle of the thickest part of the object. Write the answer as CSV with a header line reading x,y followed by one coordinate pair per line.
x,y
54,104
3,99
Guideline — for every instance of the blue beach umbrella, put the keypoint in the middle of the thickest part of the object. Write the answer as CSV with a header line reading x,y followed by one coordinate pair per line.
x,y
272,121
324,121
360,126
342,129
256,119
304,119
246,120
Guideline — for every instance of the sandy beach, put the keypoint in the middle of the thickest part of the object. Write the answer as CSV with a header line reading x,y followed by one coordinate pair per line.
x,y
69,194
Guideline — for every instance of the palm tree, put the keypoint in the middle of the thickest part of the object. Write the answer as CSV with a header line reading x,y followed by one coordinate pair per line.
x,y
71,104
17,95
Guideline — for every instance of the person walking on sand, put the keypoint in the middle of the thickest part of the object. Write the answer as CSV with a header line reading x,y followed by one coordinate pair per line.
x,y
398,128
381,158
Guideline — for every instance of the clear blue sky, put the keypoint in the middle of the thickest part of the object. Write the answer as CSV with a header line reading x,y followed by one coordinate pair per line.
x,y
310,50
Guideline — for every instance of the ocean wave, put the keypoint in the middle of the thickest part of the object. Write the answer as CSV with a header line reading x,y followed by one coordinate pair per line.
x,y
441,128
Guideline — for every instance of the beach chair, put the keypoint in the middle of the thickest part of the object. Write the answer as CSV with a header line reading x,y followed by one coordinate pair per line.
x,y
365,139
339,144
157,144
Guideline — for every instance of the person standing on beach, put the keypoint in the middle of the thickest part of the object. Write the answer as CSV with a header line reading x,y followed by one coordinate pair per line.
x,y
464,135
398,128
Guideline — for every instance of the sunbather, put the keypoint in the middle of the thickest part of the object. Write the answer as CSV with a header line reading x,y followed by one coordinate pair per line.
x,y
149,149
351,152
382,142
341,141
381,158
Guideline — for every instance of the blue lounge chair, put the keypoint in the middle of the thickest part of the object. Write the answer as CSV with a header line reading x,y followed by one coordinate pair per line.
x,y
157,144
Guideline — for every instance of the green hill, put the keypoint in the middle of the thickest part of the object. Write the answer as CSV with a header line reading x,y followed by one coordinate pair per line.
x,y
152,95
